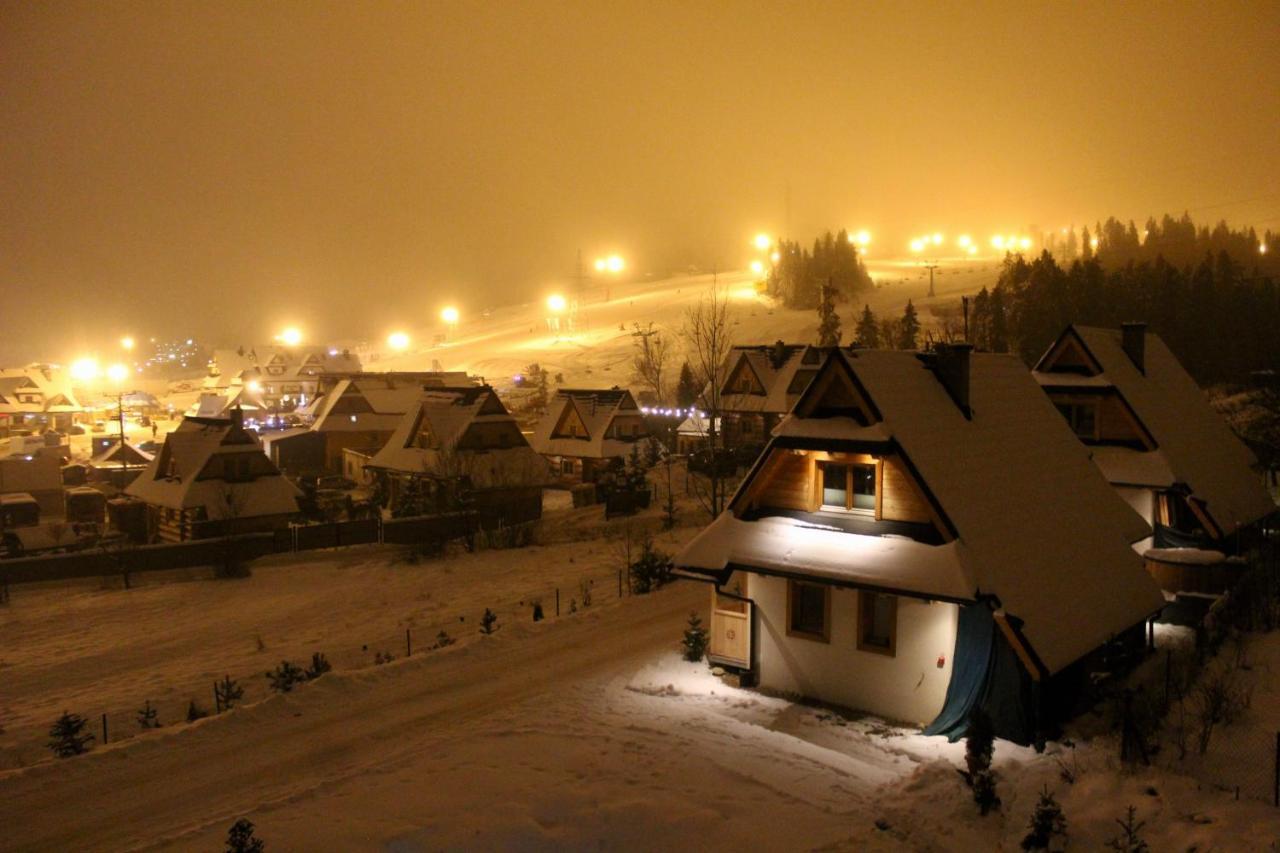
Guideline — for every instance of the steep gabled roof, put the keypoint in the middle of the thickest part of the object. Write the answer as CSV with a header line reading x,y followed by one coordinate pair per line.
x,y
365,404
782,371
1194,442
1034,522
185,473
597,410
432,439
116,453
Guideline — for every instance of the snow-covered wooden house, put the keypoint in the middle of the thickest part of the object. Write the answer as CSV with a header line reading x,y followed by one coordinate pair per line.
x,y
211,478
283,377
761,384
1156,439
460,447
35,398
585,431
923,534
119,463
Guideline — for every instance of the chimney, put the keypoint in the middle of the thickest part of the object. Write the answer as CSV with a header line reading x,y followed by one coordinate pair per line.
x,y
1134,341
950,364
237,417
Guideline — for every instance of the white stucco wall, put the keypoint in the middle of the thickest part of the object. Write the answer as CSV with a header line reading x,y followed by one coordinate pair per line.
x,y
908,686
1143,501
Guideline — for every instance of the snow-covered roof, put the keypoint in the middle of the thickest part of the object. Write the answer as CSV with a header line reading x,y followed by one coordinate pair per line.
x,y
130,454
1035,523
775,368
1198,446
595,409
50,384
190,471
1128,466
35,474
435,437
364,405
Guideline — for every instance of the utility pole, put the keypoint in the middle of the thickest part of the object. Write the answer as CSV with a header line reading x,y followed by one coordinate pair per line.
x,y
931,266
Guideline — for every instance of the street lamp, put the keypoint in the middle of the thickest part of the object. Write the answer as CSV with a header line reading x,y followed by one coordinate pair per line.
x,y
757,267
126,343
398,341
449,315
763,242
556,303
84,369
291,336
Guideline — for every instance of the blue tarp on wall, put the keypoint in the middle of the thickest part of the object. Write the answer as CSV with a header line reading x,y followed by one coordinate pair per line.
x,y
985,673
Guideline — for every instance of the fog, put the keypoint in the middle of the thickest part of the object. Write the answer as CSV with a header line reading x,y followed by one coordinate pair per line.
x,y
219,169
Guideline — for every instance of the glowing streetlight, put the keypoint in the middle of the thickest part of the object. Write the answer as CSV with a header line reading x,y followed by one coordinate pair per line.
x,y
775,257
117,373
615,263
398,341
1093,242
971,249
997,242
763,242
1024,243
1262,248
917,245
601,264
126,342
937,239
291,336
556,303
862,238
84,369
964,241
450,315
757,267
255,386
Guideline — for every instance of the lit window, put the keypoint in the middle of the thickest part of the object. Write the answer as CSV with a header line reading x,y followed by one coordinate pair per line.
x,y
849,487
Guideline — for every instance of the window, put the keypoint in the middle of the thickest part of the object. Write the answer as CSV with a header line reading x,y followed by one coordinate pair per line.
x,y
566,466
1083,418
877,622
809,611
849,487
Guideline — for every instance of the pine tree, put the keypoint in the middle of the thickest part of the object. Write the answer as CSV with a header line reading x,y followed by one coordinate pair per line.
x,y
488,622
909,328
443,639
195,712
1128,840
868,330
829,333
240,838
285,677
1047,823
65,738
651,570
1086,245
695,639
319,666
147,716
978,746
687,389
227,693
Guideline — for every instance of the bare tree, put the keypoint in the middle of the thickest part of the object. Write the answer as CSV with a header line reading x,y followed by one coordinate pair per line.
x,y
706,329
650,360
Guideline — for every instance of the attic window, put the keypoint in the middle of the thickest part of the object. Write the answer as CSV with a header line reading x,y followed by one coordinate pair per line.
x,y
848,487
1083,418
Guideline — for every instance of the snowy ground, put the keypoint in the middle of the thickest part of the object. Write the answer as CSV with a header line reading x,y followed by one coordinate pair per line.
x,y
586,732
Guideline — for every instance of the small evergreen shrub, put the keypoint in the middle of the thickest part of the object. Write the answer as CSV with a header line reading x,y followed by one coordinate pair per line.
x,y
319,666
380,658
1129,839
695,639
240,838
285,677
66,737
147,716
1047,824
488,622
978,746
651,570
195,712
537,611
227,693
443,639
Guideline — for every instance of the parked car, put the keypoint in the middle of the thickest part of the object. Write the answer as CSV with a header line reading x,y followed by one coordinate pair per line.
x,y
99,426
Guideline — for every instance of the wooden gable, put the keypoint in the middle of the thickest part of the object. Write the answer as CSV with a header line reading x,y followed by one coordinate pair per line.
x,y
352,402
492,405
627,403
743,379
836,392
422,435
1069,355
570,423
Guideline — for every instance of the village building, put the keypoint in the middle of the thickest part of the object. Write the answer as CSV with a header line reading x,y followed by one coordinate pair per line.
x,y
211,478
585,432
38,478
1154,436
118,463
761,384
358,412
922,535
283,378
36,398
459,448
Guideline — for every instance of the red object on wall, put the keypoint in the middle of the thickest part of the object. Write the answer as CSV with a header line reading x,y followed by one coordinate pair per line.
x,y
942,661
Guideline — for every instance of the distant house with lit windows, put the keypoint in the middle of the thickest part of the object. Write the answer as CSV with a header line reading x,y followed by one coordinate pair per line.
x,y
284,378
459,448
761,384
921,535
1154,436
36,398
586,431
211,478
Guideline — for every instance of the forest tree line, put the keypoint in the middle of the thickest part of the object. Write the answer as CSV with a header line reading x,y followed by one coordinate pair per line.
x,y
798,275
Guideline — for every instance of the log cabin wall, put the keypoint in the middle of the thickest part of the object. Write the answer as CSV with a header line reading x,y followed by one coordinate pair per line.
x,y
791,482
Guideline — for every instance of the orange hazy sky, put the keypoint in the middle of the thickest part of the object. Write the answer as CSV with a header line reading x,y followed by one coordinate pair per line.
x,y
214,168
